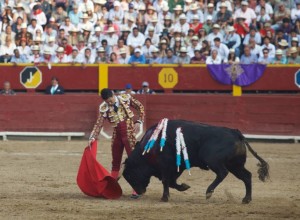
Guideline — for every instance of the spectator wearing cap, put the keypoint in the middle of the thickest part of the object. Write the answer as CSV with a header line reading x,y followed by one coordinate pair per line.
x,y
224,2
60,56
19,12
135,39
208,26
214,58
150,14
196,25
232,40
177,11
47,57
54,88
295,12
267,7
252,34
247,13
294,58
101,56
210,13
128,90
198,58
147,49
157,27
269,46
137,57
23,34
222,49
35,56
116,14
232,58
224,15
247,57
145,89
34,26
75,15
165,13
155,59
67,26
265,59
279,14
182,25
84,5
215,33
18,58
7,50
183,57
283,46
241,27
23,48
279,58
195,45
111,37
51,46
170,58
123,56
39,15
196,13
263,17
7,89
74,36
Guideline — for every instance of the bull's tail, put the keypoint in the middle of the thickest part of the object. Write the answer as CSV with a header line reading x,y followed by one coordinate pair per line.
x,y
263,166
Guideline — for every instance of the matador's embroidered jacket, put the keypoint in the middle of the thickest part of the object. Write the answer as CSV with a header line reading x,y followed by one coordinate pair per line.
x,y
124,113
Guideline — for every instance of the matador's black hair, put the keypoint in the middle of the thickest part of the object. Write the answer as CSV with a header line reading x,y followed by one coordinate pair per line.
x,y
106,93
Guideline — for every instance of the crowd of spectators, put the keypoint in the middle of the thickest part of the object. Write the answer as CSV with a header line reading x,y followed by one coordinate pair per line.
x,y
150,31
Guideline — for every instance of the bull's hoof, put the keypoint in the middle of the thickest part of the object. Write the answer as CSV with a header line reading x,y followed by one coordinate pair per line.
x,y
246,200
209,194
183,187
164,199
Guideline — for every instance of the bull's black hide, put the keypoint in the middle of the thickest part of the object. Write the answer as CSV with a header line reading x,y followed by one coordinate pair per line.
x,y
219,149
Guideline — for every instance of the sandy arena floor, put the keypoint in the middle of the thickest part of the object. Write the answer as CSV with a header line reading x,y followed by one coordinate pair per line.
x,y
38,181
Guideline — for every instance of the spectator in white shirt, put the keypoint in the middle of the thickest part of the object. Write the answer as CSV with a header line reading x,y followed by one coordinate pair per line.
x,y
39,15
67,26
34,26
162,15
158,28
7,50
51,46
19,12
232,40
147,49
24,49
182,25
88,57
47,57
194,46
214,34
84,5
214,58
247,13
124,58
159,5
267,6
35,57
85,23
210,12
252,34
228,4
254,47
116,14
74,57
295,13
154,37
60,57
269,46
222,49
194,10
135,39
111,37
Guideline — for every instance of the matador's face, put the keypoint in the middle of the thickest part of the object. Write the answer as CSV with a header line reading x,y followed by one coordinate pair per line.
x,y
111,100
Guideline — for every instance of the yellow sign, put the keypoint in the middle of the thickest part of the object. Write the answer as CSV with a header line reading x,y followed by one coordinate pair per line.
x,y
168,78
236,90
31,77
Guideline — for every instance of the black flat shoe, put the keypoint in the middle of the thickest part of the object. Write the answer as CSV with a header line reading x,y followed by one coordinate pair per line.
x,y
135,196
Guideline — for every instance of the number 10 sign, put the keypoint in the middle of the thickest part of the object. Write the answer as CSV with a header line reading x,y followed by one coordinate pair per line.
x,y
168,78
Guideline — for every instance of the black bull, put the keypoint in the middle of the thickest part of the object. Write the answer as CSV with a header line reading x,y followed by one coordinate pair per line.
x,y
219,149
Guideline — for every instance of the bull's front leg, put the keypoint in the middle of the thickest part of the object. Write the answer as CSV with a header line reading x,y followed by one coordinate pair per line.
x,y
166,193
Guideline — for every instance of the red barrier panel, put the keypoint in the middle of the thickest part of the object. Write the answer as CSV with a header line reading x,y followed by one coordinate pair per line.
x,y
190,77
253,114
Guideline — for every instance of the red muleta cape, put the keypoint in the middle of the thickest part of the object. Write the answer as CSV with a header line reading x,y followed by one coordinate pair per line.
x,y
93,179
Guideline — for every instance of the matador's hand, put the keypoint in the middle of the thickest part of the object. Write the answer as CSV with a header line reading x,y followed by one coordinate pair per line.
x,y
136,127
91,141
